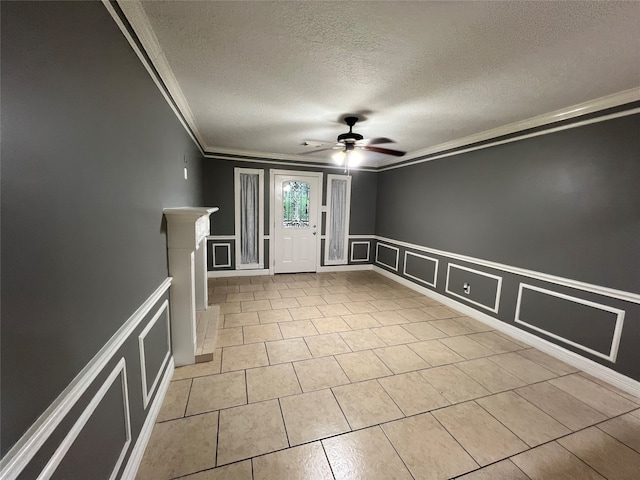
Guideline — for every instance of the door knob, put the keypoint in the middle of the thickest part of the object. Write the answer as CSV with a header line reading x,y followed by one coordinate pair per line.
x,y
314,233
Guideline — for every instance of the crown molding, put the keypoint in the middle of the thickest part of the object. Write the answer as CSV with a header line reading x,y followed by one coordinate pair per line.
x,y
591,106
165,79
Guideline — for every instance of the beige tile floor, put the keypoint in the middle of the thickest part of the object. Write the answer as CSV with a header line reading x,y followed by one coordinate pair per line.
x,y
351,375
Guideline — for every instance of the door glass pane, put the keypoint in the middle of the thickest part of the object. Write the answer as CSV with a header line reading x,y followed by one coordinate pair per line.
x,y
295,204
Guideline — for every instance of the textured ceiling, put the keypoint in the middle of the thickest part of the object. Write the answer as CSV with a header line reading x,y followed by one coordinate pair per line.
x,y
263,76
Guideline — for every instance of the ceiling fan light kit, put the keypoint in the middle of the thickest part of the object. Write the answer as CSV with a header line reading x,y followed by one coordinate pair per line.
x,y
350,145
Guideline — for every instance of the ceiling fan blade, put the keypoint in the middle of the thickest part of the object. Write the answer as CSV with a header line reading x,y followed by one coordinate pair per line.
x,y
384,151
375,141
316,151
312,143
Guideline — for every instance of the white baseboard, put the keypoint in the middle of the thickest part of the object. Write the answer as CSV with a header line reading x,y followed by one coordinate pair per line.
x,y
344,268
131,469
589,366
237,273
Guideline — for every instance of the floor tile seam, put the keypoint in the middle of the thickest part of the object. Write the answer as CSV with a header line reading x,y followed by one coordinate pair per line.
x,y
341,411
594,408
324,450
404,415
215,454
453,436
516,375
493,463
597,425
580,459
186,404
609,387
396,450
518,436
284,425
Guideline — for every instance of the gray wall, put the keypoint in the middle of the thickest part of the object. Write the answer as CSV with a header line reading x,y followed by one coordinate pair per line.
x,y
91,153
566,204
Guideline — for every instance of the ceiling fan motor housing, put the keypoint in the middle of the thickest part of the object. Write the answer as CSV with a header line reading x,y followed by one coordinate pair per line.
x,y
350,137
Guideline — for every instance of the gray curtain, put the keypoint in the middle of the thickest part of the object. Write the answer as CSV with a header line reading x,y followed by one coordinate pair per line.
x,y
249,198
337,219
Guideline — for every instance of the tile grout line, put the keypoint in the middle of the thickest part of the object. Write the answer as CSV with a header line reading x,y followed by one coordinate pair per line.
x,y
580,459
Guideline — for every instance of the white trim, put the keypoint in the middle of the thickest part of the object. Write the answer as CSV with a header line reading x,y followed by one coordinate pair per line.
x,y
260,157
237,273
589,366
344,259
345,268
180,107
147,393
587,287
362,237
213,254
392,248
119,371
582,123
368,244
617,332
496,304
24,450
421,280
272,214
221,237
137,452
237,171
591,106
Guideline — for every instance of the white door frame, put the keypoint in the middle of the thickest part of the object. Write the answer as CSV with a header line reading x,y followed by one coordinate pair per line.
x,y
272,213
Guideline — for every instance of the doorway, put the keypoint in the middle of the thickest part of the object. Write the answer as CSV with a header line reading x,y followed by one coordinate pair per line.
x,y
296,209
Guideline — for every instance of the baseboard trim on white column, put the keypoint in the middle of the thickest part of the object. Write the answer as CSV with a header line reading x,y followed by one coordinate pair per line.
x,y
131,469
589,366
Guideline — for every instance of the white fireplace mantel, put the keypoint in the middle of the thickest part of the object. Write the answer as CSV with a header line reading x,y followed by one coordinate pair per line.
x,y
187,229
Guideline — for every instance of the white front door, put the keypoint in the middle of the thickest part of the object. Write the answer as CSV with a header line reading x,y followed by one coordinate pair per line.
x,y
296,229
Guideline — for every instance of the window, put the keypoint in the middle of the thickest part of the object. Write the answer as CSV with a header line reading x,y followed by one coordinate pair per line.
x,y
249,211
295,204
338,206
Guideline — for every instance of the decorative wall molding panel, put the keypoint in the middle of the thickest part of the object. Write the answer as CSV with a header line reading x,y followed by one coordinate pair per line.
x,y
20,456
413,262
589,366
613,316
392,265
119,372
161,318
225,246
494,285
360,258
545,277
138,449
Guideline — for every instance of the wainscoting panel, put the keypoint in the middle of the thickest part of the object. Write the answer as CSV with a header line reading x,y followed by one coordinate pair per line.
x,y
220,253
589,326
155,349
574,319
387,255
90,430
104,427
421,268
360,251
473,286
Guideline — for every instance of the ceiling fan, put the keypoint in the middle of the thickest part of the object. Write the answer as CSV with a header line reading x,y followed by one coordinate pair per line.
x,y
348,145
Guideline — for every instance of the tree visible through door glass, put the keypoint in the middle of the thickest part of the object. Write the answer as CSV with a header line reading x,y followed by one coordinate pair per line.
x,y
295,204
